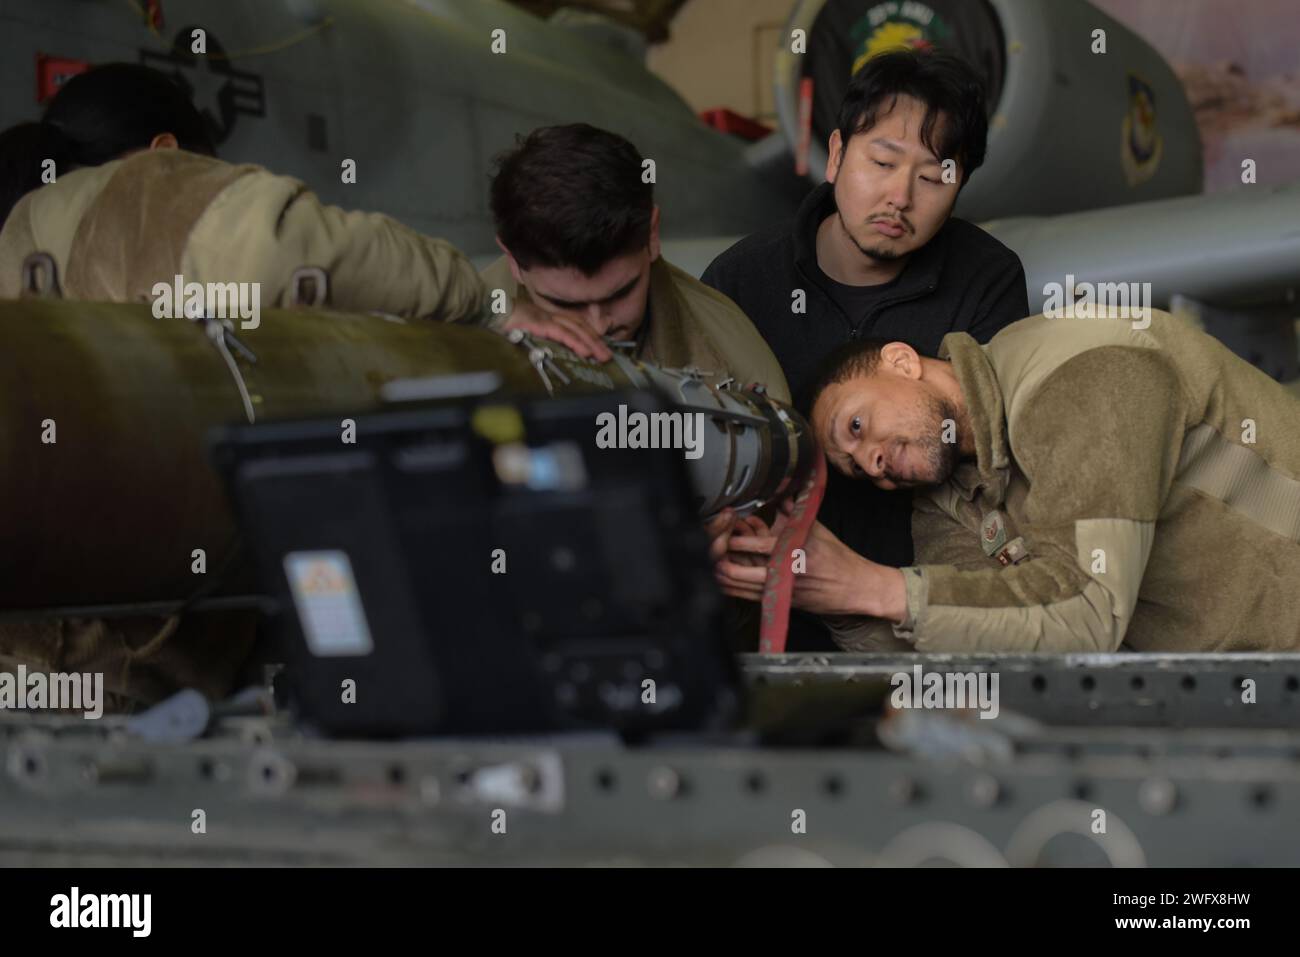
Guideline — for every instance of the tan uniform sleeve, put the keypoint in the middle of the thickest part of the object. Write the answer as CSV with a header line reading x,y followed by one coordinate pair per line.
x,y
939,539
46,220
262,227
767,370
733,340
497,276
746,355
1099,446
16,242
862,635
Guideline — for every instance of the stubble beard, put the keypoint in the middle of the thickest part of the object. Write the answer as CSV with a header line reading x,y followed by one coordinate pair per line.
x,y
940,456
880,254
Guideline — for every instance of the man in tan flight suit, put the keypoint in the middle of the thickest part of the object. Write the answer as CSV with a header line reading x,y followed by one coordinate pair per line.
x,y
115,230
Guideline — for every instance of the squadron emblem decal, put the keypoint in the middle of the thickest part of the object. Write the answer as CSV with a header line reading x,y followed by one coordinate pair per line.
x,y
994,532
893,26
1141,144
220,91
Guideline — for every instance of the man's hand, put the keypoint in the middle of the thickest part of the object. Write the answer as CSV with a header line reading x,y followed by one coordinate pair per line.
x,y
724,529
835,580
569,331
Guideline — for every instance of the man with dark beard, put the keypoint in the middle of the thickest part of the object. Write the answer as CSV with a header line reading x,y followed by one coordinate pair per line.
x,y
1081,484
876,252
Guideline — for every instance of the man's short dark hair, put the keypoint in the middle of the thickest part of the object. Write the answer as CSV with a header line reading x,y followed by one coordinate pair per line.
x,y
97,116
956,124
847,361
571,196
116,108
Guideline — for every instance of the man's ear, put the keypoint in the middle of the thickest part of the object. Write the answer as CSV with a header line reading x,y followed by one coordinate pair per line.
x,y
901,359
834,154
164,141
514,266
654,235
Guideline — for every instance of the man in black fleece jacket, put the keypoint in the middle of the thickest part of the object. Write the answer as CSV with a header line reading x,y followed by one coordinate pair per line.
x,y
874,253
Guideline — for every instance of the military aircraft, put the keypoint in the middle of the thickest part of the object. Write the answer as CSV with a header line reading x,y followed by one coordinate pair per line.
x,y
1092,176
420,95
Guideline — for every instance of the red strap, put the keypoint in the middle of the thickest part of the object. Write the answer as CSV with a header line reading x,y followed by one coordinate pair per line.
x,y
805,126
780,574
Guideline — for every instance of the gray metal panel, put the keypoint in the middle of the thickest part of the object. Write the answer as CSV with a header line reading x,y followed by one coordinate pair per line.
x,y
272,797
1127,689
1233,248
